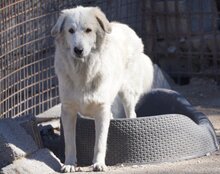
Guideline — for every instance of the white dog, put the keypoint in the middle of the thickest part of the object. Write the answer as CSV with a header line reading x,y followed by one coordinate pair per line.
x,y
95,61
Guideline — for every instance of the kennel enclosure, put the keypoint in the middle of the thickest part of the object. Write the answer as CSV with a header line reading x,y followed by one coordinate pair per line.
x,y
181,36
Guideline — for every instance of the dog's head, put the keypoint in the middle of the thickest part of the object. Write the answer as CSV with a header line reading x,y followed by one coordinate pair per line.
x,y
82,28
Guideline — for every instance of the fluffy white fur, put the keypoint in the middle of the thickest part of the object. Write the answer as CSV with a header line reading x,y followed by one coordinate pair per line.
x,y
111,63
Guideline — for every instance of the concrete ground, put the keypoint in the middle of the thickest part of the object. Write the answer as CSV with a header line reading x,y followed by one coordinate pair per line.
x,y
205,165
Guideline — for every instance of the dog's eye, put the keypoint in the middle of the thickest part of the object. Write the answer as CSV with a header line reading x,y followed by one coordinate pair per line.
x,y
88,30
71,30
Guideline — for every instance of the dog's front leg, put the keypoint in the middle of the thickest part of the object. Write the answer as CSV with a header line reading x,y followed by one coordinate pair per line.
x,y
102,122
68,117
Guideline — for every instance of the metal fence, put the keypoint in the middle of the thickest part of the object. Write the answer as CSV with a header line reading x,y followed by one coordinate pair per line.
x,y
186,38
180,35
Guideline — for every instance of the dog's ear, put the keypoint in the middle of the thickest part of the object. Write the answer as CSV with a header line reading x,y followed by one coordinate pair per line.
x,y
102,20
59,25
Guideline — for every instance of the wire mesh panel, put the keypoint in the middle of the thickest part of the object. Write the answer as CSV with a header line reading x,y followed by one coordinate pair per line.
x,y
28,83
27,80
182,36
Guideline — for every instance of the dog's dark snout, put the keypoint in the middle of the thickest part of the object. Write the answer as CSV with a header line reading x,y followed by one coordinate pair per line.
x,y
78,51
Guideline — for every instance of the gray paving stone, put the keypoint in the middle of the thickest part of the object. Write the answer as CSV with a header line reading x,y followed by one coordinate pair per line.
x,y
50,114
43,161
160,78
14,142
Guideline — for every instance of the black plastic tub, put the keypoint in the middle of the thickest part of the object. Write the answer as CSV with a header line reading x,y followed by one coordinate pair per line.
x,y
167,129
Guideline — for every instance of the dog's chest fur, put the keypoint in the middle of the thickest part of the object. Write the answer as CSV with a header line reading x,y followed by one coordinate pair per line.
x,y
83,83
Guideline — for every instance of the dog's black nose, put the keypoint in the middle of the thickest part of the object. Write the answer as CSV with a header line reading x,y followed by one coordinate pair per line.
x,y
78,51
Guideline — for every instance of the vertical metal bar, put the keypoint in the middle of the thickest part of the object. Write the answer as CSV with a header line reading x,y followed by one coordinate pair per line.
x,y
215,41
34,86
201,36
6,56
177,30
166,27
189,36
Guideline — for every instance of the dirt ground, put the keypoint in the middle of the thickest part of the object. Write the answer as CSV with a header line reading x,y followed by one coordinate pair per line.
x,y
204,165
204,94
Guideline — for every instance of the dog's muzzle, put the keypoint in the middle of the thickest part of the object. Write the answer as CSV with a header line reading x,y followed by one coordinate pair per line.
x,y
78,51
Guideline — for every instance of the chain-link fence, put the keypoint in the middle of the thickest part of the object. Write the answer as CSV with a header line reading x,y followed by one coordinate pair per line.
x,y
180,35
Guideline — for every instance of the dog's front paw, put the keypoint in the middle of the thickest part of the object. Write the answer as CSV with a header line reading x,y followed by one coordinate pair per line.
x,y
99,167
68,168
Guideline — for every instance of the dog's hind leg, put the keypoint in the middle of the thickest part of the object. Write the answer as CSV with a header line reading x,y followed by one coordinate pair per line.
x,y
129,101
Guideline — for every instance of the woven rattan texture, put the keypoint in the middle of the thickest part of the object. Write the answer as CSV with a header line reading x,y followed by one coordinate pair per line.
x,y
152,139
